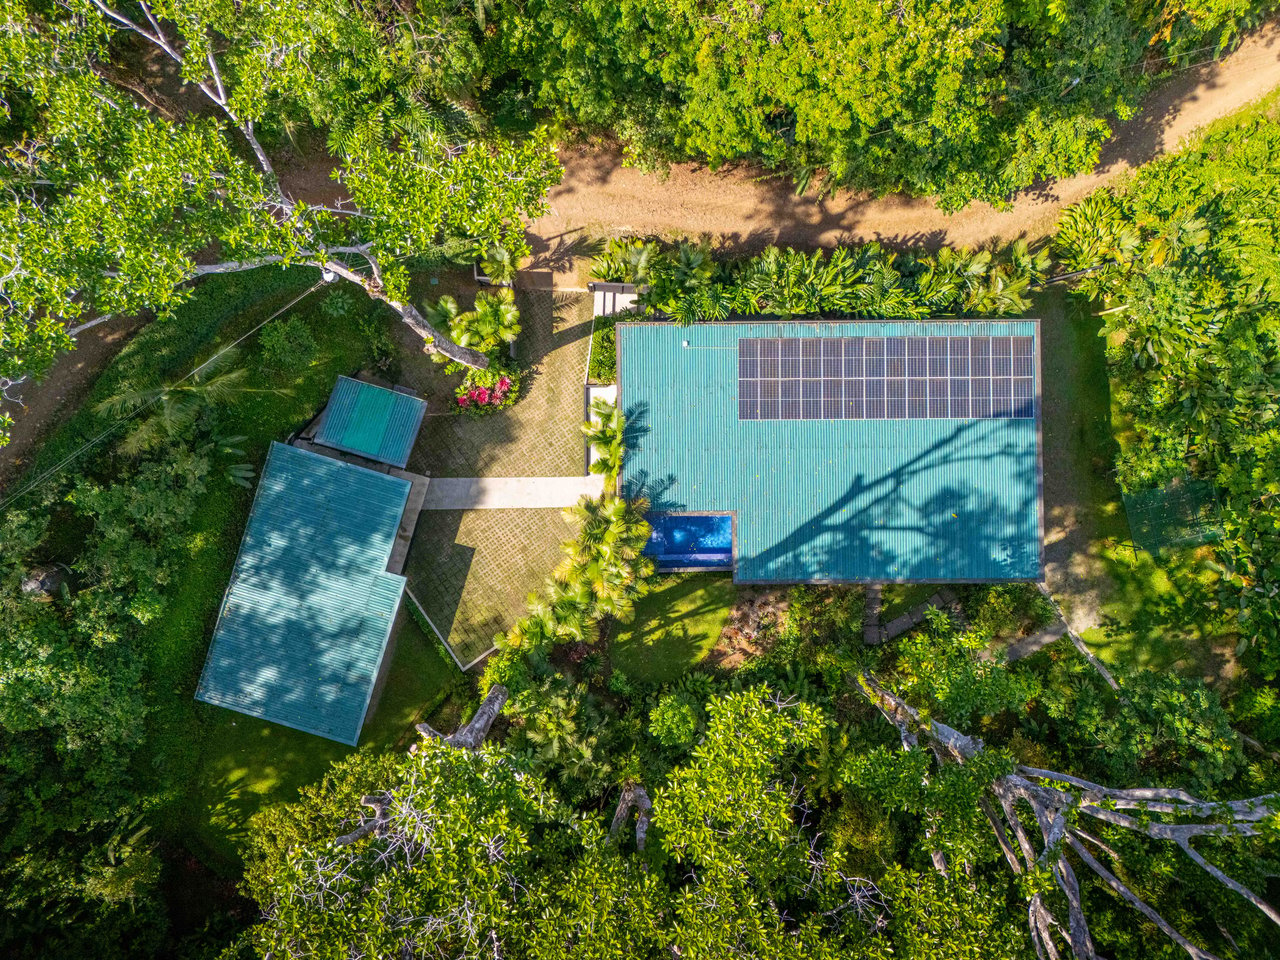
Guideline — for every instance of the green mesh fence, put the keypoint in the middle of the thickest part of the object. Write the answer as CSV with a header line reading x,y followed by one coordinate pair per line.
x,y
1183,512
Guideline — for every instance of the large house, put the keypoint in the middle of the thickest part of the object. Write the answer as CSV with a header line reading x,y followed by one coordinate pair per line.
x,y
841,451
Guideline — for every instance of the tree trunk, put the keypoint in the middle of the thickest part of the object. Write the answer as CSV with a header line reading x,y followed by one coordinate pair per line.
x,y
472,733
633,797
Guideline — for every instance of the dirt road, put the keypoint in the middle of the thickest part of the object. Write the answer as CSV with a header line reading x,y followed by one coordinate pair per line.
x,y
601,197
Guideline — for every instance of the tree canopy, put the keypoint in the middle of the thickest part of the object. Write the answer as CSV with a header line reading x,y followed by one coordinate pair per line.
x,y
112,201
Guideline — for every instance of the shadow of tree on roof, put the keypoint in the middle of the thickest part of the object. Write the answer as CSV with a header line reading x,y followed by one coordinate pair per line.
x,y
955,533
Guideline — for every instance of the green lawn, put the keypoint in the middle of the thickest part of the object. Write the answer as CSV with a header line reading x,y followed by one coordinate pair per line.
x,y
897,598
248,763
675,626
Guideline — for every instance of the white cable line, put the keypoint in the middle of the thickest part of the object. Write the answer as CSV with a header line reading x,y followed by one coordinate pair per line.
x,y
129,416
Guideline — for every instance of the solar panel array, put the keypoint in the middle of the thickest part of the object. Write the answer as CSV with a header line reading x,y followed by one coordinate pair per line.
x,y
885,378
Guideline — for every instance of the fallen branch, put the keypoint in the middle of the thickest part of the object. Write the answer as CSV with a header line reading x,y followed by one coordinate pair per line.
x,y
471,734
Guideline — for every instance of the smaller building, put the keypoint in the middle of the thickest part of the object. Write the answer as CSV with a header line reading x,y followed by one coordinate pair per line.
x,y
371,422
307,616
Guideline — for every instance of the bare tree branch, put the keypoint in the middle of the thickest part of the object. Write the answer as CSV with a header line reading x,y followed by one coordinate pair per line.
x,y
1228,882
471,734
378,826
1138,904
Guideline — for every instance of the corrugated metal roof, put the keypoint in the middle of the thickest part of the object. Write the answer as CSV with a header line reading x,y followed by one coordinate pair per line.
x,y
845,500
308,612
371,421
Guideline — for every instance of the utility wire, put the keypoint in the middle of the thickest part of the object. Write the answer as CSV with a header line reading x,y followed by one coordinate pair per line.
x,y
89,444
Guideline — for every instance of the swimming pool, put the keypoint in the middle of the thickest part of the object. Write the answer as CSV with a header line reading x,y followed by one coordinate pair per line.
x,y
680,541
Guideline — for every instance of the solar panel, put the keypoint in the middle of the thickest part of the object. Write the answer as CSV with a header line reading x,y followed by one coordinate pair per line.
x,y
855,378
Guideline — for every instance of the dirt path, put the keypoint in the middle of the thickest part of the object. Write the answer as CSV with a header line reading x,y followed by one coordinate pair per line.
x,y
61,392
601,197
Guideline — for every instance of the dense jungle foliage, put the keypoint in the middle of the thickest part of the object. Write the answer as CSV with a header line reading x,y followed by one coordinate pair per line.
x,y
962,99
688,284
1189,287
787,819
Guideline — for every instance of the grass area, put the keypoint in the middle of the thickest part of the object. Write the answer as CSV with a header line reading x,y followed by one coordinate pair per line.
x,y
1158,621
897,598
676,625
249,763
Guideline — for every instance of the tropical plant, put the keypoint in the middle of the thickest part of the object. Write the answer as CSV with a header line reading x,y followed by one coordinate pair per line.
x,y
500,265
625,261
169,412
687,286
486,391
288,344
605,432
494,322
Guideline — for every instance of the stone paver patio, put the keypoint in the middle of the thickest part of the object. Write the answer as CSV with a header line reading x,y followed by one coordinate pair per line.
x,y
472,569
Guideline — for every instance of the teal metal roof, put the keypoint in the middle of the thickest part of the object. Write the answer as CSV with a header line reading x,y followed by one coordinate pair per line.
x,y
945,500
308,612
371,421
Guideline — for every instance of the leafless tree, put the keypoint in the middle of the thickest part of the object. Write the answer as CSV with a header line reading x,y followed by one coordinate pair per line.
x,y
1062,807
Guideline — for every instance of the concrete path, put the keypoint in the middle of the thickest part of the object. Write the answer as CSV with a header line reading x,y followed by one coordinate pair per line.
x,y
509,493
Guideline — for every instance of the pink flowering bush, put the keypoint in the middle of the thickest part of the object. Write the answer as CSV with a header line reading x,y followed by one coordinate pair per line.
x,y
484,391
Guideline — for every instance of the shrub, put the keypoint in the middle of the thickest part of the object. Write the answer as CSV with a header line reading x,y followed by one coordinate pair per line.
x,y
491,326
603,367
673,722
288,345
340,304
486,391
1007,609
624,261
374,330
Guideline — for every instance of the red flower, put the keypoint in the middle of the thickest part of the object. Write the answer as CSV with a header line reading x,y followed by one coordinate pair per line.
x,y
504,383
482,395
463,401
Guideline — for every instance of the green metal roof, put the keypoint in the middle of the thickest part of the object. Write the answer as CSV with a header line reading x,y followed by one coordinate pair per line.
x,y
945,500
371,421
308,612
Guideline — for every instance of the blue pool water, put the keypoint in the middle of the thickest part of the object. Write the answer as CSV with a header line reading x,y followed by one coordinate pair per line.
x,y
690,540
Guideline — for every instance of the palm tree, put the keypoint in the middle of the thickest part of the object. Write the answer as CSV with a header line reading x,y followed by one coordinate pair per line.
x,y
499,265
175,408
442,314
604,432
494,321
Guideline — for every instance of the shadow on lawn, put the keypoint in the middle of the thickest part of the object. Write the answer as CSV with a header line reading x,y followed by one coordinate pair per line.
x,y
675,627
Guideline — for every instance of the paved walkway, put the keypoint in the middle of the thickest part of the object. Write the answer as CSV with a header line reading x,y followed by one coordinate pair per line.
x,y
509,493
